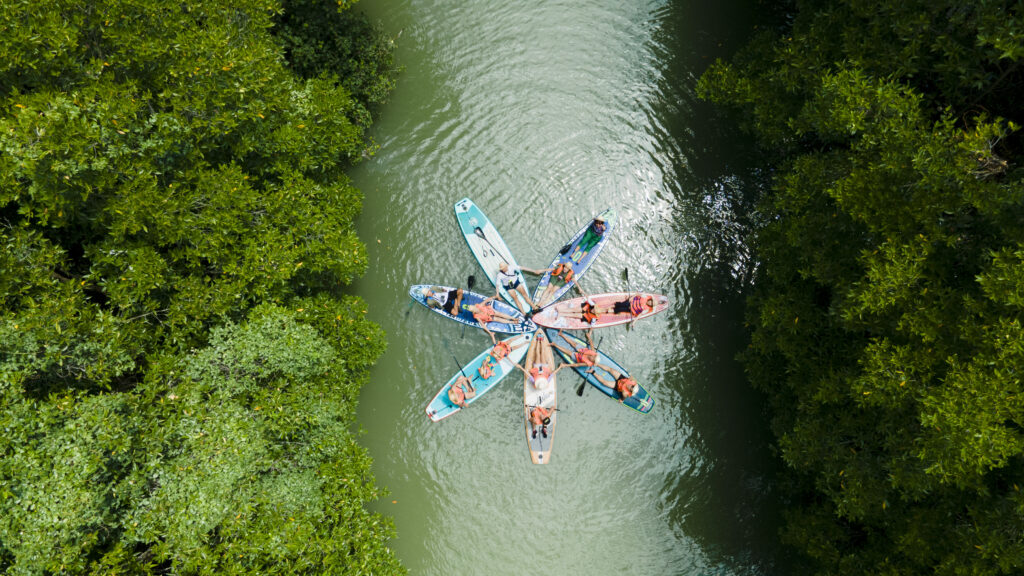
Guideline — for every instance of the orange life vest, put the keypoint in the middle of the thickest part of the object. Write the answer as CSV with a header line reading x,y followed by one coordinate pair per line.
x,y
587,356
501,349
588,315
636,305
539,414
484,313
624,386
486,370
456,395
542,372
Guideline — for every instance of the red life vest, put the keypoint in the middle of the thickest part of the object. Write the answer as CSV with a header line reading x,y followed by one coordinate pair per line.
x,y
486,370
501,349
587,356
456,395
588,315
539,414
484,313
624,385
636,305
542,372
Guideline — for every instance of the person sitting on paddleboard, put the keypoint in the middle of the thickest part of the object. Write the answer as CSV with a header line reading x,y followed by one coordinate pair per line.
x,y
461,391
562,271
486,369
624,385
540,416
508,278
484,312
449,301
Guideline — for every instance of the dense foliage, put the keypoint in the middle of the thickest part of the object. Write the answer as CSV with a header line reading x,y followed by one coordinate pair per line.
x,y
888,307
178,367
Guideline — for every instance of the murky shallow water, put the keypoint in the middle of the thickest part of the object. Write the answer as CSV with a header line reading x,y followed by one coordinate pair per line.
x,y
546,113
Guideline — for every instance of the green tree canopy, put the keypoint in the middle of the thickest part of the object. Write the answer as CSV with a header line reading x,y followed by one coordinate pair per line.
x,y
886,317
178,365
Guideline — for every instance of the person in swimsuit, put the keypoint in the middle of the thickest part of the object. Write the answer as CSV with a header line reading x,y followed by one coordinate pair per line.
x,y
624,385
449,301
461,391
632,305
484,312
562,272
590,239
540,416
508,278
582,355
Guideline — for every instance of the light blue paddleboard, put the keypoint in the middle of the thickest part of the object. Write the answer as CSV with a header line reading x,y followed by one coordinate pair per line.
x,y
486,244
579,253
641,401
441,407
520,326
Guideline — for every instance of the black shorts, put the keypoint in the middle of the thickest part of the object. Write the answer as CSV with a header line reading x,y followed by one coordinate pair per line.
x,y
512,285
622,308
449,304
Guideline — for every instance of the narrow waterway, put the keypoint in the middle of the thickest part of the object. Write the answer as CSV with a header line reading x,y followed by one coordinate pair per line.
x,y
546,113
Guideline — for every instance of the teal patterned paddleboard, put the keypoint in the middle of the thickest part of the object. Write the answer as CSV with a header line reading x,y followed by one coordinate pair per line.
x,y
641,401
441,407
488,247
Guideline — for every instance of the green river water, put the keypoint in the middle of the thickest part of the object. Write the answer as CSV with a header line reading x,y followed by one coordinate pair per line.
x,y
545,113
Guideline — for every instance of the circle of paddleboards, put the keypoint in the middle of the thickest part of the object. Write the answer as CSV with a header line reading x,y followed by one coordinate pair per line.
x,y
488,248
546,397
567,314
439,298
441,406
567,344
577,255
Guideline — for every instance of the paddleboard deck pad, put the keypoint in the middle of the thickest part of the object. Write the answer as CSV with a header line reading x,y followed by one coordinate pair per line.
x,y
441,407
641,401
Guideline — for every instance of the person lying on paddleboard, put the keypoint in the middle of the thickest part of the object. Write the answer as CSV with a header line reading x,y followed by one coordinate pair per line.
x,y
540,374
448,301
461,391
583,355
632,305
508,278
540,416
624,385
484,312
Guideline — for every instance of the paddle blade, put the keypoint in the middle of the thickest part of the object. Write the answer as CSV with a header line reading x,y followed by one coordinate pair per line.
x,y
470,282
579,390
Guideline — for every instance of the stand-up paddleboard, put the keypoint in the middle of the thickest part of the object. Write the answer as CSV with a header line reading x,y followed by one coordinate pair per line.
x,y
488,247
567,314
641,401
578,254
540,352
441,294
441,407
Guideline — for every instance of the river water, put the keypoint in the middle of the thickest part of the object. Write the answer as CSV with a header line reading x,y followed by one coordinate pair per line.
x,y
546,113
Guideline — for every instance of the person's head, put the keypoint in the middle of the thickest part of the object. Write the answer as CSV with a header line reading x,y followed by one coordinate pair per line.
x,y
599,225
503,267
541,383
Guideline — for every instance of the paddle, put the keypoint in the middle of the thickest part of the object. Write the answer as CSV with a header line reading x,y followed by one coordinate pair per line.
x,y
629,292
469,286
461,369
583,381
480,234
